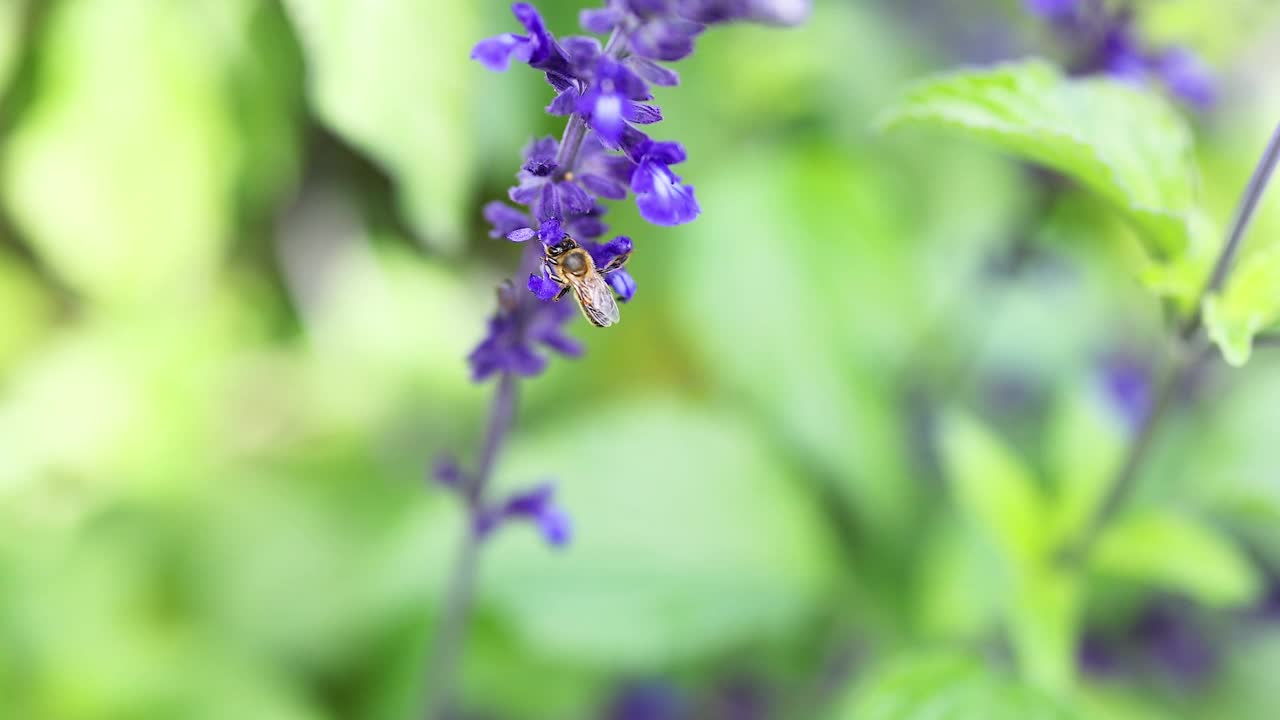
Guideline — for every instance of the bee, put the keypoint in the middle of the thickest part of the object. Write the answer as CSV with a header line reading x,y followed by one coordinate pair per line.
x,y
571,266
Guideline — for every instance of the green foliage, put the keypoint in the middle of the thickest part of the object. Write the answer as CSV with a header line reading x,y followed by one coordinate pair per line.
x,y
392,79
951,688
1126,145
703,547
1249,304
1175,552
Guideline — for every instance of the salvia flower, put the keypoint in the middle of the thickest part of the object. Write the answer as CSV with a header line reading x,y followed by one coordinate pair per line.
x,y
519,334
605,91
1127,385
1105,40
537,506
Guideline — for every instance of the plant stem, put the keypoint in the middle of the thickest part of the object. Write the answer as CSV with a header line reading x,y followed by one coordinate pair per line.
x,y
1188,360
450,639
1244,215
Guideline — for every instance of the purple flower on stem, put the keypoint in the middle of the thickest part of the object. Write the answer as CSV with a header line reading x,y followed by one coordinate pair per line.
x,y
517,331
536,505
1128,387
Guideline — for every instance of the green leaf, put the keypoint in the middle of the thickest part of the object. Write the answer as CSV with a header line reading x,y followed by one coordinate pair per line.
x,y
1128,146
995,488
1249,304
11,25
392,78
944,686
118,171
1175,552
1086,444
689,540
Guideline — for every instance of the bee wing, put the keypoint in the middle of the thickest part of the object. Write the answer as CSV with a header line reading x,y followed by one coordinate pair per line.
x,y
596,300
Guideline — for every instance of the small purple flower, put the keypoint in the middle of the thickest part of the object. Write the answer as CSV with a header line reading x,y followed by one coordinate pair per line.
x,y
1173,639
662,199
611,101
646,701
517,331
447,472
539,48
1128,386
1053,10
546,189
664,38
1187,77
536,505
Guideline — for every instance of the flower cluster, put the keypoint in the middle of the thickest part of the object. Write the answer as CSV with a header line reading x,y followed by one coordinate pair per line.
x,y
605,91
1107,41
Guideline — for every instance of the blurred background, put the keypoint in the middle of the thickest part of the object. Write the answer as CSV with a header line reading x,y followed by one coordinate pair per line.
x,y
242,263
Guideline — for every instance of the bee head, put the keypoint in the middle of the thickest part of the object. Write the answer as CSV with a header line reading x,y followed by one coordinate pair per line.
x,y
562,247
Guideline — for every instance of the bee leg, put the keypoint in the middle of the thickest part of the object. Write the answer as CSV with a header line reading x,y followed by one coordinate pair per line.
x,y
564,290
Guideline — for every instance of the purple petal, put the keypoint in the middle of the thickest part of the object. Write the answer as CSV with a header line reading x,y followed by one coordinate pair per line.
x,y
643,114
550,231
604,112
522,360
664,39
601,186
573,199
561,343
543,43
1052,9
503,218
667,153
661,198
622,283
653,72
522,234
531,502
1187,77
540,156
556,526
495,53
599,21
528,191
542,288
587,227
718,11
547,204
565,103
583,51
446,471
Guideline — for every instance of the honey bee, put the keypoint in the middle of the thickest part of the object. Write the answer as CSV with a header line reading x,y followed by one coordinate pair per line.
x,y
571,266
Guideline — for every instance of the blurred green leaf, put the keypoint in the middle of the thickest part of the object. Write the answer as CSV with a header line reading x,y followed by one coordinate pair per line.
x,y
995,488
11,25
998,493
393,78
1249,304
689,540
1175,552
1085,446
1127,145
118,171
944,686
